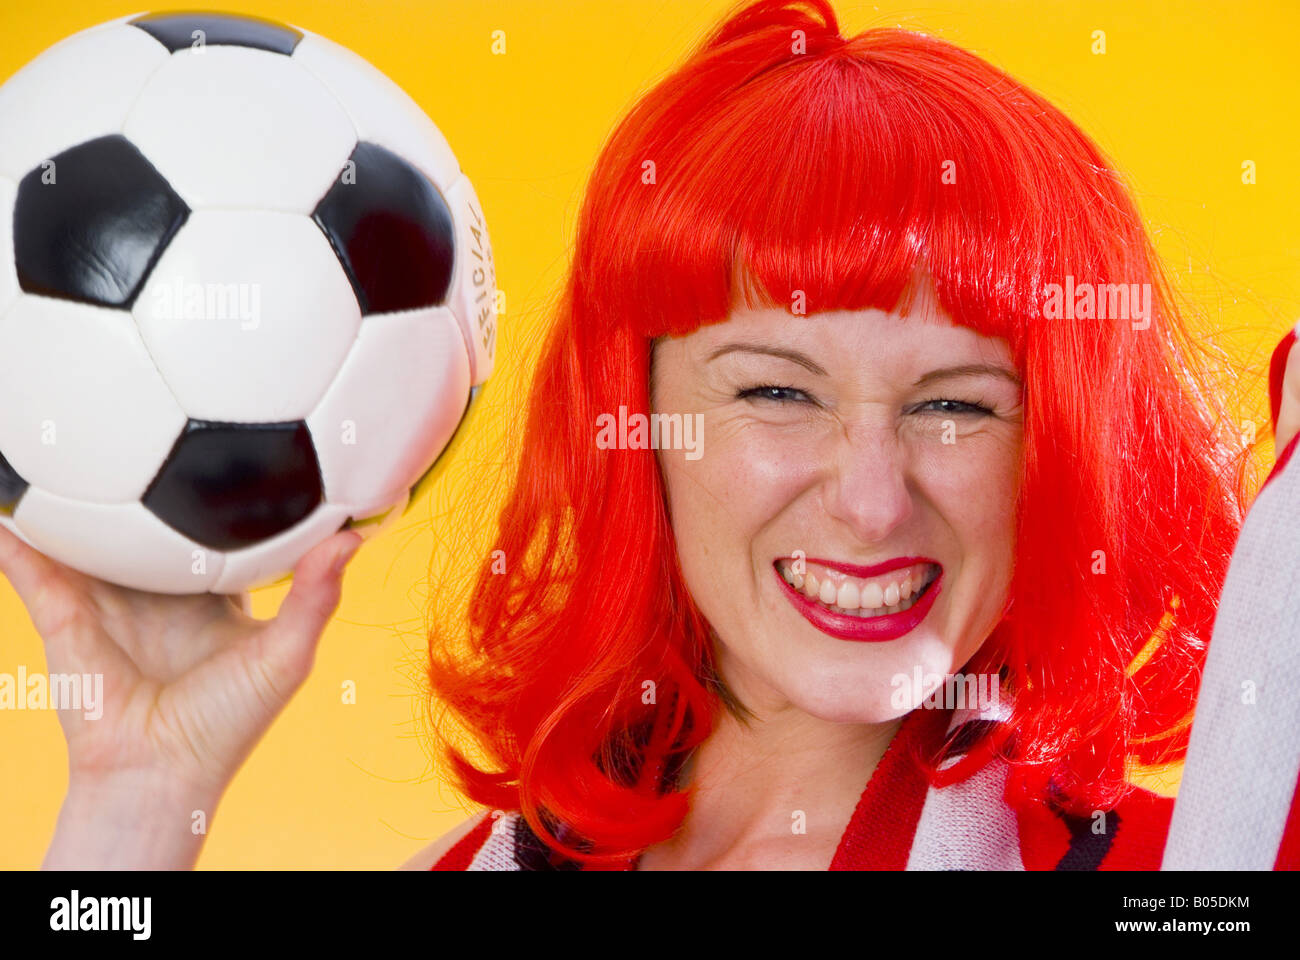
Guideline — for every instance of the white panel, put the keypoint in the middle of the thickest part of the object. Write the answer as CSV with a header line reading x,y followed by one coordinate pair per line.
x,y
380,110
267,562
236,127
473,286
120,543
12,527
79,89
248,315
8,273
393,406
83,411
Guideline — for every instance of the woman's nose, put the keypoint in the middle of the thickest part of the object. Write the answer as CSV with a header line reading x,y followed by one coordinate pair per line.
x,y
867,488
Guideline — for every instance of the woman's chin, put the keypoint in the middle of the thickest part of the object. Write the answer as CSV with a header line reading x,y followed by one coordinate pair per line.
x,y
873,701
876,708
884,681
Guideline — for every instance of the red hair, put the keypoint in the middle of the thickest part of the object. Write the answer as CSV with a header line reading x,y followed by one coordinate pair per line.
x,y
844,168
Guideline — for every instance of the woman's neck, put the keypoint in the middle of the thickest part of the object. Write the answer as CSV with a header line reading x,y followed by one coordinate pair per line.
x,y
776,792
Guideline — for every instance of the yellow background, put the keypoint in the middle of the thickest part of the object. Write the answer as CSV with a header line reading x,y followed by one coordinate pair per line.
x,y
1183,95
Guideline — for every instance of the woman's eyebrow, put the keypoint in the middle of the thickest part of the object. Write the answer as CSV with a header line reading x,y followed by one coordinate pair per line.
x,y
970,370
793,356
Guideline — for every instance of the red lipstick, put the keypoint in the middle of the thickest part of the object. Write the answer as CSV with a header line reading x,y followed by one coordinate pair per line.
x,y
857,570
843,626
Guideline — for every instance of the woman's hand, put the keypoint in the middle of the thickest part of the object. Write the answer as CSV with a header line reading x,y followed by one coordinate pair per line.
x,y
190,684
1288,418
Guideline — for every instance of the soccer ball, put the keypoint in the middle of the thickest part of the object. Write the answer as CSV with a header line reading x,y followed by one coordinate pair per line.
x,y
246,299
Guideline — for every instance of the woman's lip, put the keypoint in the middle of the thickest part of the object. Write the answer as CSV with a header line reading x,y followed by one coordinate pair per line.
x,y
887,626
856,570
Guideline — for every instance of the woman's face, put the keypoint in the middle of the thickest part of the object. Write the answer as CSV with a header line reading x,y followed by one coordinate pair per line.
x,y
849,516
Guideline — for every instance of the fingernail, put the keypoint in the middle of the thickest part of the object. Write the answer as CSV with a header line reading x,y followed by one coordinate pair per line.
x,y
342,559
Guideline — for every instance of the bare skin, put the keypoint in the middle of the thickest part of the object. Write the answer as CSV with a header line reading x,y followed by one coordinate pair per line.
x,y
842,454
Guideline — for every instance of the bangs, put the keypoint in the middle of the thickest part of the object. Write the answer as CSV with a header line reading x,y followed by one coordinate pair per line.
x,y
836,182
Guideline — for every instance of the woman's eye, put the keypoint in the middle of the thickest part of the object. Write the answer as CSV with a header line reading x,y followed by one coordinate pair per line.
x,y
955,407
779,394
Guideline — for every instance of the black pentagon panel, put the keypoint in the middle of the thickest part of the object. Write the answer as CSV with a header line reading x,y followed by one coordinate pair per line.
x,y
12,487
231,485
426,479
175,31
93,233
392,230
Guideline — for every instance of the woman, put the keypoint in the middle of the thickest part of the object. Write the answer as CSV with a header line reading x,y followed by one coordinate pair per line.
x,y
861,270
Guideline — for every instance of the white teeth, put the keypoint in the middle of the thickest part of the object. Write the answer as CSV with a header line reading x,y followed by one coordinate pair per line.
x,y
865,614
847,596
852,599
872,596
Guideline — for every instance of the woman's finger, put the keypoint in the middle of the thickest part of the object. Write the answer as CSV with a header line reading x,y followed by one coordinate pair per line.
x,y
1288,417
286,649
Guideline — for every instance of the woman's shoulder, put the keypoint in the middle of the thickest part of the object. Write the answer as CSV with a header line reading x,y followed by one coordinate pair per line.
x,y
467,833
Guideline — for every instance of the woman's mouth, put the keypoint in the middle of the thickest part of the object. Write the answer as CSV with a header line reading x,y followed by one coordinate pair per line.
x,y
851,602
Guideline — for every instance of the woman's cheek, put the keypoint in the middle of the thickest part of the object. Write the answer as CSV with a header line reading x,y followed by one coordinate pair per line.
x,y
753,469
974,488
973,484
720,504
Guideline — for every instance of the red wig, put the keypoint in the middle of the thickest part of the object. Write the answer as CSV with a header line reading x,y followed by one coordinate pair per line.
x,y
844,168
